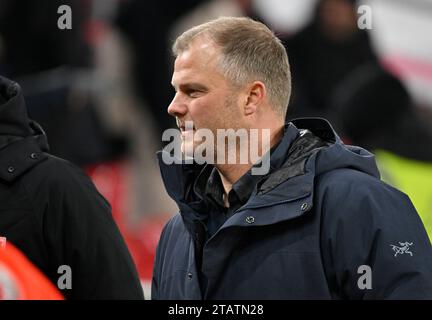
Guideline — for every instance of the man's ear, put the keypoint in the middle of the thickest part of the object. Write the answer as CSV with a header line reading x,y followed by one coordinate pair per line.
x,y
256,93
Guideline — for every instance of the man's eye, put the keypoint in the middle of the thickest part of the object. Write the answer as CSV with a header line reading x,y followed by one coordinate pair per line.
x,y
193,93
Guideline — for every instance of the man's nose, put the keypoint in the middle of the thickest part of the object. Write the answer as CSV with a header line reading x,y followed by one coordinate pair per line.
x,y
177,108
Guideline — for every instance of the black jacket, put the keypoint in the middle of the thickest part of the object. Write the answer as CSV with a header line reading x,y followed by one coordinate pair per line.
x,y
52,211
310,230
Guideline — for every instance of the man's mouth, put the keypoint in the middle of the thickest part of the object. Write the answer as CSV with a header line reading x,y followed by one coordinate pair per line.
x,y
186,128
183,129
187,134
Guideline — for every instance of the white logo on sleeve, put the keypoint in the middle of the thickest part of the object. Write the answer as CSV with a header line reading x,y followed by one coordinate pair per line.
x,y
404,248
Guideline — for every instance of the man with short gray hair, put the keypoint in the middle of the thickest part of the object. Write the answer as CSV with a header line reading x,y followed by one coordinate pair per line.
x,y
304,228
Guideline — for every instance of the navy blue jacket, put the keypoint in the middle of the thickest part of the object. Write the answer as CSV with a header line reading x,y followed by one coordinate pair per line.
x,y
310,230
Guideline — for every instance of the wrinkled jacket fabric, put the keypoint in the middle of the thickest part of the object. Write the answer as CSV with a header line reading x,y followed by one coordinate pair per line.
x,y
53,213
320,225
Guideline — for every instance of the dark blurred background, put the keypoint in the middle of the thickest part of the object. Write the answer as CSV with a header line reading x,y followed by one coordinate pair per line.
x,y
101,89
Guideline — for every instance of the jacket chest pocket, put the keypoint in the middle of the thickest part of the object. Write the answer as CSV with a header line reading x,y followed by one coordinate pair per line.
x,y
278,275
269,263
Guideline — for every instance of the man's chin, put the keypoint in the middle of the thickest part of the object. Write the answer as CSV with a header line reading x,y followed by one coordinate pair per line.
x,y
188,150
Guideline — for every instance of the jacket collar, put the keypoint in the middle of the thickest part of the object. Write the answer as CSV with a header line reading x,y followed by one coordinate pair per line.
x,y
18,157
287,192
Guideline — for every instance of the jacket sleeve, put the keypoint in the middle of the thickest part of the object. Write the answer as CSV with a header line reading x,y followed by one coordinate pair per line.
x,y
156,293
81,233
156,272
374,244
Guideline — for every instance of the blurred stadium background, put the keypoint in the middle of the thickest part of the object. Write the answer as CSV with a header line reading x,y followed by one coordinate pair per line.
x,y
101,89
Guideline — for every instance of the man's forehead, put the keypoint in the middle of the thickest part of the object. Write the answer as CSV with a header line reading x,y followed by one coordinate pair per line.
x,y
188,77
200,53
198,61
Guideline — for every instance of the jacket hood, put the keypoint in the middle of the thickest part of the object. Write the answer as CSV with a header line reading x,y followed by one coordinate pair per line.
x,y
336,154
22,141
14,121
13,114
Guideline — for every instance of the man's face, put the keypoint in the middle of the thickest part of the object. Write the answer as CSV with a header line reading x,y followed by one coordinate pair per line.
x,y
203,95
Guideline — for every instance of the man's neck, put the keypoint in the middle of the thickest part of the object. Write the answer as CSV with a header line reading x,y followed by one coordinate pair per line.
x,y
231,173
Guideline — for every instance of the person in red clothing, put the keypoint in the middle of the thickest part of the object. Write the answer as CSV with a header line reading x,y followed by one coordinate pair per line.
x,y
20,279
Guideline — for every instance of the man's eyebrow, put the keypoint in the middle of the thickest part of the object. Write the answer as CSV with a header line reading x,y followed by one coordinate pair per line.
x,y
191,85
